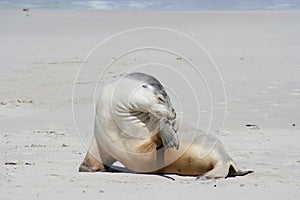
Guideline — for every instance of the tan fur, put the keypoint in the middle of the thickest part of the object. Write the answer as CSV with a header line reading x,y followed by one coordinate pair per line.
x,y
92,161
150,145
188,163
187,160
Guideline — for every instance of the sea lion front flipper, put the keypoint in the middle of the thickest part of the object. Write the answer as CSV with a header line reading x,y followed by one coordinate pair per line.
x,y
168,134
93,160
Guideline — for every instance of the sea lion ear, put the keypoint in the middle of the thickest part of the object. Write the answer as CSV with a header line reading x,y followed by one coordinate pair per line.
x,y
144,86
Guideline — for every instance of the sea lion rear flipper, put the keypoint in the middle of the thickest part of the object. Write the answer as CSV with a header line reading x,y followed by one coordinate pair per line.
x,y
220,170
168,135
237,172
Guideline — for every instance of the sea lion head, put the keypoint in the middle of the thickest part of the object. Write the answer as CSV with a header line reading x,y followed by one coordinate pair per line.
x,y
160,105
150,96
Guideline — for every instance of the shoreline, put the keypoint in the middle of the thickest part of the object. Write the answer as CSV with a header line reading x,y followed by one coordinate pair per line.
x,y
159,11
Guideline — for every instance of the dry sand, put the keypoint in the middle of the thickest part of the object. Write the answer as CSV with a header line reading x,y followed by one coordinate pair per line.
x,y
258,56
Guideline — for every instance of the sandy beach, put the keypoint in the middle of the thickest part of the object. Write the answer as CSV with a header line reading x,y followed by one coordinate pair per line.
x,y
41,51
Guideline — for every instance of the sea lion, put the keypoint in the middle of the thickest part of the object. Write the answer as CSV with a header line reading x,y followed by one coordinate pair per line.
x,y
138,130
127,124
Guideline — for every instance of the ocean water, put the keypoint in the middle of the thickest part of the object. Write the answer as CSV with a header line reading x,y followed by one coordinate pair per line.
x,y
153,4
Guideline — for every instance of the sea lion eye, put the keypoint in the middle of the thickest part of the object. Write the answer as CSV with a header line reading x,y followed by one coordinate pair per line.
x,y
161,99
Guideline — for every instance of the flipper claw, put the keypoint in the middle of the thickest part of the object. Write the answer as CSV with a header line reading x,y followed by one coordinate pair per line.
x,y
168,134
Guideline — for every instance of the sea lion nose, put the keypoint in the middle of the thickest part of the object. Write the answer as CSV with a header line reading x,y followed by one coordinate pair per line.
x,y
172,115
